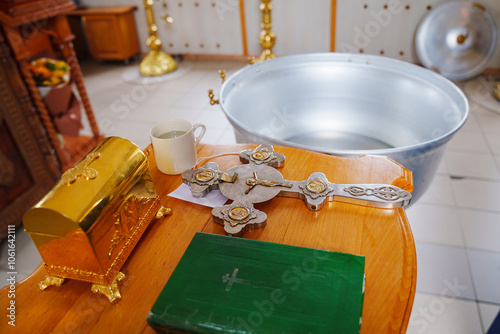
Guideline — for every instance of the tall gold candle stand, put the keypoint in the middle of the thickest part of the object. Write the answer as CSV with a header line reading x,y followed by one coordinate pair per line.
x,y
156,62
267,38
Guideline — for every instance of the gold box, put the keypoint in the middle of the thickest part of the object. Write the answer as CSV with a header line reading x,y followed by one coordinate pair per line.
x,y
87,225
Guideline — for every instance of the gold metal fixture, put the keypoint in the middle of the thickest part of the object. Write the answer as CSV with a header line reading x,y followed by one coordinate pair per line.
x,y
50,280
267,39
496,92
81,170
157,62
222,74
163,212
462,38
111,291
211,95
165,17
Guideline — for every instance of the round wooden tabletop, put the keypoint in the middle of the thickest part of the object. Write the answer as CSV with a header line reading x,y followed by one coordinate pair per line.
x,y
383,236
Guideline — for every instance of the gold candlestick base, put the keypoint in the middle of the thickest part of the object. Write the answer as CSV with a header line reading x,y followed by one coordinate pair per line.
x,y
267,38
157,63
266,55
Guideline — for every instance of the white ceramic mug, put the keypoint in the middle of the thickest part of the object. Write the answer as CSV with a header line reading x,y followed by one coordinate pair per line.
x,y
176,151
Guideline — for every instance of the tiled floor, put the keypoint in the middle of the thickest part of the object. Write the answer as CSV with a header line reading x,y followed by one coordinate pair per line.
x,y
456,224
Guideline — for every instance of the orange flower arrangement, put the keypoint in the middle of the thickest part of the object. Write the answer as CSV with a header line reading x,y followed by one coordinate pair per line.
x,y
50,72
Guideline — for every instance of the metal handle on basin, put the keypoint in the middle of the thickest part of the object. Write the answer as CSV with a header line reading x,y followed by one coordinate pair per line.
x,y
222,74
211,95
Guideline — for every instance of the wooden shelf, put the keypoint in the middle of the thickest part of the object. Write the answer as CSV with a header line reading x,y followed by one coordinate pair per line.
x,y
48,28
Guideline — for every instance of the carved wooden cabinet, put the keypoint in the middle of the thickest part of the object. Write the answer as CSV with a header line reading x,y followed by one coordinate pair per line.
x,y
35,27
111,32
32,153
28,164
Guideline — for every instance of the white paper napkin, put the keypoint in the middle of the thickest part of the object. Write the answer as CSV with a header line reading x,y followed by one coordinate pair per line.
x,y
213,199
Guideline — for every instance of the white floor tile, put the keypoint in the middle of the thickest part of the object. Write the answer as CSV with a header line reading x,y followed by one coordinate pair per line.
x,y
136,132
111,100
488,313
493,140
27,257
471,124
442,168
443,270
162,96
437,314
435,224
470,164
227,137
468,141
476,194
211,136
485,268
489,122
439,192
93,74
481,229
189,100
213,118
151,112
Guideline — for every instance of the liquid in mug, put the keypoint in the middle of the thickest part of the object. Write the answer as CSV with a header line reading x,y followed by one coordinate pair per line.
x,y
171,134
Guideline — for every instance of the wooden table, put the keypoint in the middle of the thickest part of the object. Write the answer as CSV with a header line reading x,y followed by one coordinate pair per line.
x,y
383,236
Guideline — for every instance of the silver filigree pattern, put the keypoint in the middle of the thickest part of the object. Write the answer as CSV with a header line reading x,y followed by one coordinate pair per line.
x,y
386,193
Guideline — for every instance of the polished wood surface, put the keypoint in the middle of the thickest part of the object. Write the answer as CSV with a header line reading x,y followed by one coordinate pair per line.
x,y
111,31
383,236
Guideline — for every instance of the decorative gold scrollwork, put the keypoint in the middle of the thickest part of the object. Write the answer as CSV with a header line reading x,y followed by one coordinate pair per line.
x,y
261,155
126,220
82,169
239,213
204,175
316,186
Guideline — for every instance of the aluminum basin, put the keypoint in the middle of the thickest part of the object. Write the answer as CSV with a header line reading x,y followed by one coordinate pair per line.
x,y
348,105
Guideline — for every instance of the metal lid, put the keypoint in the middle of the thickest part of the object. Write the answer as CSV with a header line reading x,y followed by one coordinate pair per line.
x,y
457,39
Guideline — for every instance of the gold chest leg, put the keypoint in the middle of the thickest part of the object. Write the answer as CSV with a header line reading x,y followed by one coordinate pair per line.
x,y
50,280
111,291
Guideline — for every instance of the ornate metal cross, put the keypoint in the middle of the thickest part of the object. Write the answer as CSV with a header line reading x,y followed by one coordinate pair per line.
x,y
257,181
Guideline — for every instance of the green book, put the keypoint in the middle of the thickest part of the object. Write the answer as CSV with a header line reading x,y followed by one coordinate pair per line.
x,y
232,285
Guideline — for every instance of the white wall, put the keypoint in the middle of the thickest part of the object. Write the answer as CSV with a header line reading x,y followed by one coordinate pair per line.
x,y
301,26
392,32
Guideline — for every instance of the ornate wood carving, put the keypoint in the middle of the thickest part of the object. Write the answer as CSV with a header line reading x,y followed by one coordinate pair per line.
x,y
33,28
20,120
